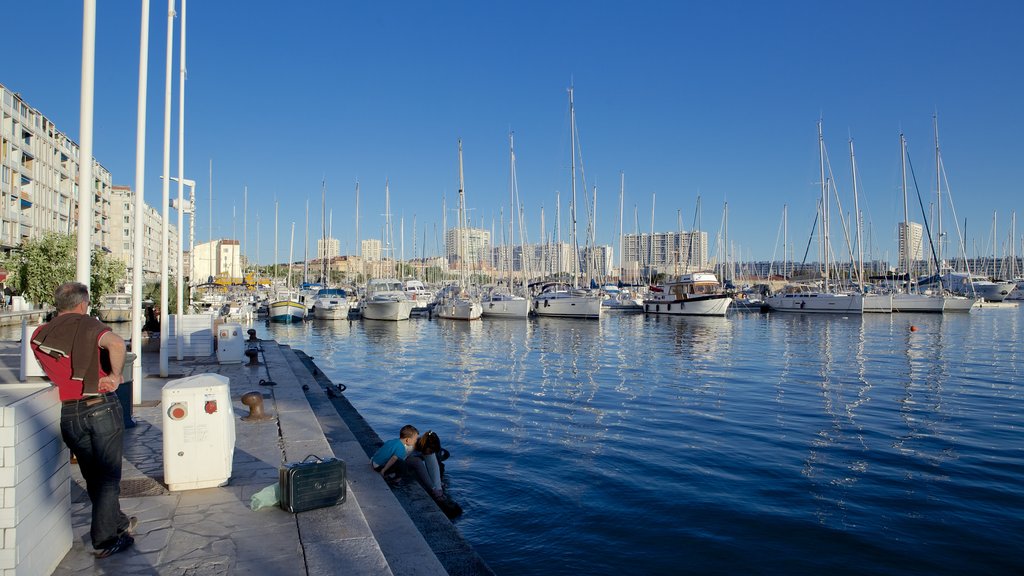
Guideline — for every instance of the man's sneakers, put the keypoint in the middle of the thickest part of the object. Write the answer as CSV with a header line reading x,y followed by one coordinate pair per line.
x,y
130,529
122,543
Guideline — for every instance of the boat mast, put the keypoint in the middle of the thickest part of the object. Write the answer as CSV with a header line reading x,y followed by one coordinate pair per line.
x,y
463,249
275,241
824,210
359,243
785,241
510,255
323,231
938,193
622,191
572,205
291,252
856,213
906,211
305,250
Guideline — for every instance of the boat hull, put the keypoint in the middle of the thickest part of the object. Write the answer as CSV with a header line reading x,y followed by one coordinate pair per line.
x,y
817,303
958,303
331,312
287,311
458,310
109,315
568,306
878,304
712,305
393,310
918,303
519,308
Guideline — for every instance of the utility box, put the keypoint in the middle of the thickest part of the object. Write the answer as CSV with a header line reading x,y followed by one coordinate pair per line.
x,y
230,344
199,432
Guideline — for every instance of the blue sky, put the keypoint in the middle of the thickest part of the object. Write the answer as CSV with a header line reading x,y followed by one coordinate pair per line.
x,y
716,99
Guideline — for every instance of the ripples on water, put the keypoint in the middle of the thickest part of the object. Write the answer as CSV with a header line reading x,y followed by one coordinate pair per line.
x,y
747,444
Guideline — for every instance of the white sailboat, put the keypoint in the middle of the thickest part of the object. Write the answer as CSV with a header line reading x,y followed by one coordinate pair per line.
x,y
454,301
501,301
558,298
812,299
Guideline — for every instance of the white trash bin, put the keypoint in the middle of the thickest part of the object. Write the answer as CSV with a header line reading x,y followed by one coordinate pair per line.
x,y
199,432
230,344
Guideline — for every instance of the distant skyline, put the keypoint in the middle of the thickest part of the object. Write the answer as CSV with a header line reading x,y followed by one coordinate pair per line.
x,y
716,101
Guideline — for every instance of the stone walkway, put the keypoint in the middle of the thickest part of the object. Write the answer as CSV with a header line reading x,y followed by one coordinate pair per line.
x,y
212,531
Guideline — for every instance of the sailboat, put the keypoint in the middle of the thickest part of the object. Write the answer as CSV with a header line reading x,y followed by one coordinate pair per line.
x,y
501,301
823,301
560,298
285,307
454,301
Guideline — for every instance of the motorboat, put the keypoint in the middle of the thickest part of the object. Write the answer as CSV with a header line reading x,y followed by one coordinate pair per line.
x,y
285,307
696,294
331,304
970,285
115,308
386,300
419,294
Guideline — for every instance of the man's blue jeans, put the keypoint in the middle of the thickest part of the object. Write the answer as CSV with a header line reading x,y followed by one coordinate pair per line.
x,y
94,431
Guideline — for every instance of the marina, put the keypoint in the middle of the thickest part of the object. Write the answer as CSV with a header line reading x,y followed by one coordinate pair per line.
x,y
789,443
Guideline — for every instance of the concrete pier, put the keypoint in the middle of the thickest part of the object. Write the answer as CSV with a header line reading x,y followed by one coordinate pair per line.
x,y
378,530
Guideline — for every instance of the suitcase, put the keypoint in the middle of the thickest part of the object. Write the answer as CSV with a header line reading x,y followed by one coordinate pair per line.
x,y
312,483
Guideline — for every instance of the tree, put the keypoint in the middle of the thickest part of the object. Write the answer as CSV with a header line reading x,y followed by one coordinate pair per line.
x,y
40,265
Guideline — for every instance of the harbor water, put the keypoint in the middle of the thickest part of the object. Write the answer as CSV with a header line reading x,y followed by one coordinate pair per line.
x,y
788,444
793,444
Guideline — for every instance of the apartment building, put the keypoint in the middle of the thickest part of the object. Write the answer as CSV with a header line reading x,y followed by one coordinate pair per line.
x,y
470,245
327,248
371,250
910,238
123,245
665,252
217,259
39,172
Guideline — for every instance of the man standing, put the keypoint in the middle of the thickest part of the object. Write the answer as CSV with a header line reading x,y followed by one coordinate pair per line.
x,y
69,350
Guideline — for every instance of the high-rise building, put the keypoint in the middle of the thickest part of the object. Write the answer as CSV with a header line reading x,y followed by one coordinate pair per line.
x,y
665,252
39,170
371,250
122,218
327,248
469,245
913,240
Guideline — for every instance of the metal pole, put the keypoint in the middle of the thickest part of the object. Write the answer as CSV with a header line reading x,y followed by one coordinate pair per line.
x,y
85,188
140,183
179,280
164,232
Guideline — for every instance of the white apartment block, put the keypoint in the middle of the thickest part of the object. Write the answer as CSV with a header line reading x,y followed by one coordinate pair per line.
x,y
665,252
123,245
39,169
327,248
371,250
914,241
470,245
217,259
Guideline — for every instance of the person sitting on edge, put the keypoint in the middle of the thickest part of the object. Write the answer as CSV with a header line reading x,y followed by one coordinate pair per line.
x,y
391,456
424,460
91,422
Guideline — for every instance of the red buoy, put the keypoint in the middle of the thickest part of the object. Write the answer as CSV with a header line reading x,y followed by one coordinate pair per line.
x,y
913,328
